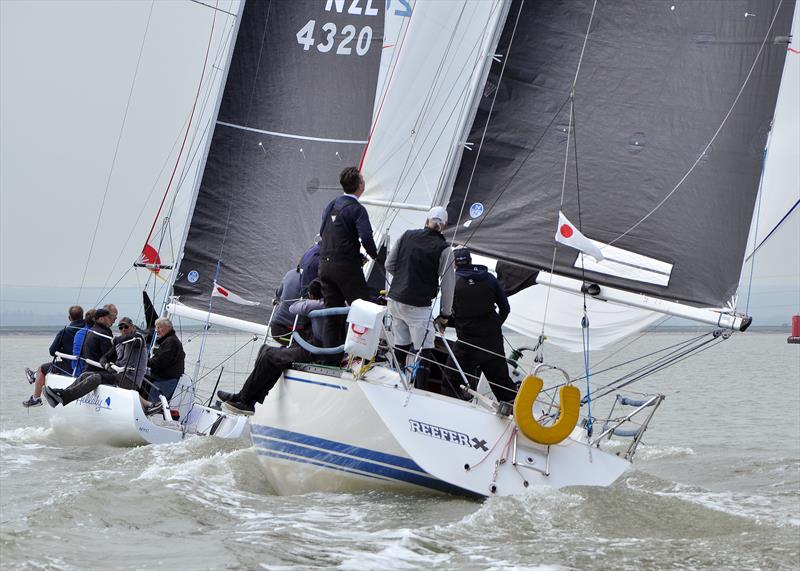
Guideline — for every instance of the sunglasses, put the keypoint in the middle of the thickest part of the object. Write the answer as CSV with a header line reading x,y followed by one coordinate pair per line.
x,y
123,327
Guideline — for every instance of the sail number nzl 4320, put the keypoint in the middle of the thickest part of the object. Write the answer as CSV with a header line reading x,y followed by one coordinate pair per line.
x,y
344,40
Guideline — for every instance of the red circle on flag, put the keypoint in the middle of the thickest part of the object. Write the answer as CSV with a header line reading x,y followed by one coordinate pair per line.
x,y
566,230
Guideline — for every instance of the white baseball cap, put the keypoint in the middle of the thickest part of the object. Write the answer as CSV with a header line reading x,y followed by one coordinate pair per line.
x,y
438,213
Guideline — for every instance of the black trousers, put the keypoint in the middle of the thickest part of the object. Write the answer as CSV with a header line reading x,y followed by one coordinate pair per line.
x,y
90,380
280,333
474,361
270,364
342,283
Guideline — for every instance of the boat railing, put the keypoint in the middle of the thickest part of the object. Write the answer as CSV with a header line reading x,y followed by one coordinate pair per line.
x,y
620,426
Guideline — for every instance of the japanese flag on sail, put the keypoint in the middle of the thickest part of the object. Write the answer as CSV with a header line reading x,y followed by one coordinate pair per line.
x,y
569,235
220,291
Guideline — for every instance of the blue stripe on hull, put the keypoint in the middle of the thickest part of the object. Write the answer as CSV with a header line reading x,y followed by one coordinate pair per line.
x,y
296,446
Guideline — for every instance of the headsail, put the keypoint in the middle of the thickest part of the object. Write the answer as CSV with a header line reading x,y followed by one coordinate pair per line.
x,y
669,126
296,109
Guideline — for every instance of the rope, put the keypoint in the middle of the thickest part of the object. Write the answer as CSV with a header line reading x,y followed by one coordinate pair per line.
x,y
116,151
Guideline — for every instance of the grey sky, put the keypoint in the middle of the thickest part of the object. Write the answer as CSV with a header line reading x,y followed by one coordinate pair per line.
x,y
66,69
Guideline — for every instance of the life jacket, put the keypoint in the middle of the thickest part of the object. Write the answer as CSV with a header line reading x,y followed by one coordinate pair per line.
x,y
416,277
474,300
340,241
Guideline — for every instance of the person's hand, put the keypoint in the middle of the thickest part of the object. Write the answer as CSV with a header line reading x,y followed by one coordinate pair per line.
x,y
364,260
106,365
441,322
275,301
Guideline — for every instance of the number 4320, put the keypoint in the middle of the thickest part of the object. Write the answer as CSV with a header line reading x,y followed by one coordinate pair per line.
x,y
305,37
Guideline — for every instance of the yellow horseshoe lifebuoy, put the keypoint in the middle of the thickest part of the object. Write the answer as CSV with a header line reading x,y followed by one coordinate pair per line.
x,y
570,406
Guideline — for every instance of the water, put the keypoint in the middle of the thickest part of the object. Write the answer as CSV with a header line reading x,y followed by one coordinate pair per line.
x,y
716,485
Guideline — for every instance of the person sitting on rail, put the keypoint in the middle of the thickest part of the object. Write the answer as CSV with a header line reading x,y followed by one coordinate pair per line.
x,y
282,323
80,337
101,347
168,361
62,343
273,361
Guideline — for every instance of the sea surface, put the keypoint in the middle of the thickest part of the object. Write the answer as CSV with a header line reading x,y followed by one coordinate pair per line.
x,y
715,485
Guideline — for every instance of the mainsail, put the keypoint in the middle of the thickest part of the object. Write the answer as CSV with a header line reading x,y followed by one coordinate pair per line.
x,y
661,169
296,109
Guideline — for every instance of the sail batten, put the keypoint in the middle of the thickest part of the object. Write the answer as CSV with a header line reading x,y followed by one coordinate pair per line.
x,y
666,139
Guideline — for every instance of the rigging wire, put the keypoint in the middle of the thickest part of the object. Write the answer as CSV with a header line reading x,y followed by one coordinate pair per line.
x,y
188,129
116,150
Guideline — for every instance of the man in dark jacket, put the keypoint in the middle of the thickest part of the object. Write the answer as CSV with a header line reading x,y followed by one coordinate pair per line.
x,y
309,266
479,348
282,323
419,260
345,228
168,360
273,361
62,343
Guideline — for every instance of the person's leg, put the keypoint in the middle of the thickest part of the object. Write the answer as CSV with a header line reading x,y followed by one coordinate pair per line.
x,y
160,387
41,374
496,370
83,385
466,360
280,333
332,327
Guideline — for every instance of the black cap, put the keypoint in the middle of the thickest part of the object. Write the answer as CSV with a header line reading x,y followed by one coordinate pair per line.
x,y
462,256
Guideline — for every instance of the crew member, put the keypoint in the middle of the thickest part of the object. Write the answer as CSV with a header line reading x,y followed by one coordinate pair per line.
x,y
168,360
62,343
344,222
282,323
128,350
480,308
418,262
309,266
273,361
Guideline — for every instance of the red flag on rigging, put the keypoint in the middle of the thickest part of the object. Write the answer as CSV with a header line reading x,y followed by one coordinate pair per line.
x,y
569,235
220,291
150,256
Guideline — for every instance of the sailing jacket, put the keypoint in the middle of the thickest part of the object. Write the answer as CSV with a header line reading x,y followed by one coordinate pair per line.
x,y
416,263
130,352
344,222
96,345
309,268
168,357
77,345
63,342
286,294
477,293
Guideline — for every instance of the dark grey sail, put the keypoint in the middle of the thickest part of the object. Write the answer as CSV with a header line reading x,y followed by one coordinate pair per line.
x,y
656,82
296,110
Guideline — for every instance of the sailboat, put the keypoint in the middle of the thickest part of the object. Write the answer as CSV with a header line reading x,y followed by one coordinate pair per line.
x,y
645,125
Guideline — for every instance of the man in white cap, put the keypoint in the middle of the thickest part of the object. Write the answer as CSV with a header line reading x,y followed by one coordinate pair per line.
x,y
420,263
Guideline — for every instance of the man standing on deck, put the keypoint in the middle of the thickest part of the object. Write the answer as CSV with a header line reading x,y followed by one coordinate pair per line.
x,y
479,348
417,263
344,222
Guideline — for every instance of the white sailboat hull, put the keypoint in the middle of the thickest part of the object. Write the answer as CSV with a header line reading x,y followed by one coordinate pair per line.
x,y
317,432
114,416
